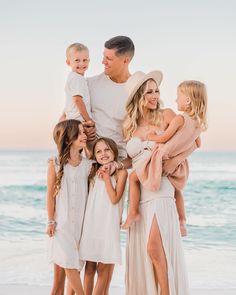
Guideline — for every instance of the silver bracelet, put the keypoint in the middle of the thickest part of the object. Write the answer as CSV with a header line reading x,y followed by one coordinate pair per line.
x,y
52,222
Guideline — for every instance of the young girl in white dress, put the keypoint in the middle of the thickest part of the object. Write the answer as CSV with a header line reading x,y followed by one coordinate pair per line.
x,y
66,200
100,243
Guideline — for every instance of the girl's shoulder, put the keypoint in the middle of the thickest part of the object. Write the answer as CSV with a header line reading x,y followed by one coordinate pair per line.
x,y
179,119
88,163
53,166
168,113
54,161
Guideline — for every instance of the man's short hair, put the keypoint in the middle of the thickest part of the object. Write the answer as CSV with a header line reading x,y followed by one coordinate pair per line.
x,y
122,44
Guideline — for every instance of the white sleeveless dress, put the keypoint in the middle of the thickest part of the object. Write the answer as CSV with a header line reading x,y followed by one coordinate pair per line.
x,y
100,240
140,278
63,247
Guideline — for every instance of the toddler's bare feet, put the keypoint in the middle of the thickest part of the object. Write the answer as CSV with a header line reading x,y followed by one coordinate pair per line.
x,y
183,229
131,218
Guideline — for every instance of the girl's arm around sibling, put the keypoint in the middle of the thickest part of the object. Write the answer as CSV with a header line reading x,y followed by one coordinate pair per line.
x,y
115,194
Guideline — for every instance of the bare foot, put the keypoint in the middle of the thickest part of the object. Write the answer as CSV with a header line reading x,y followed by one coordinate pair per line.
x,y
183,229
131,218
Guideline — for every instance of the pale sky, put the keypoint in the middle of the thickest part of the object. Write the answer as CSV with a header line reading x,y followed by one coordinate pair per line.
x,y
184,39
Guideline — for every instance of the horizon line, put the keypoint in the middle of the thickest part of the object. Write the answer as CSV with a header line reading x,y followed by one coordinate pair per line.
x,y
53,149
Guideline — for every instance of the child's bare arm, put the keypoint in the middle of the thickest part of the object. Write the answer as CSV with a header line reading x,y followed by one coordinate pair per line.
x,y
51,180
116,193
174,125
78,100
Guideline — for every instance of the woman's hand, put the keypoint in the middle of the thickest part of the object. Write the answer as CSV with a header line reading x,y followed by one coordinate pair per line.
x,y
51,230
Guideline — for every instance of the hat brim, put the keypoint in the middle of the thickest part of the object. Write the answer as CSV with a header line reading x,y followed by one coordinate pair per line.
x,y
154,75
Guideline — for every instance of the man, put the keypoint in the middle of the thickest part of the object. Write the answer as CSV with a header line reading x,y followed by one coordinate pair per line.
x,y
108,100
107,91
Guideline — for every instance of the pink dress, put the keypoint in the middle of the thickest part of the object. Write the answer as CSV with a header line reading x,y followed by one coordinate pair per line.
x,y
170,158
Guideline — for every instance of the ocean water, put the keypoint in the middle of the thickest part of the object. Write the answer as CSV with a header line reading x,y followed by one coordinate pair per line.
x,y
210,200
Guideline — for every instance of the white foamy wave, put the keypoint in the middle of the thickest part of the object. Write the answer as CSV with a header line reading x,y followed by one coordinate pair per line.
x,y
21,212
212,176
204,167
200,220
22,178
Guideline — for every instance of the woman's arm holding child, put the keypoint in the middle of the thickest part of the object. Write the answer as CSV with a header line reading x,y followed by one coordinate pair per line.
x,y
116,193
173,127
51,180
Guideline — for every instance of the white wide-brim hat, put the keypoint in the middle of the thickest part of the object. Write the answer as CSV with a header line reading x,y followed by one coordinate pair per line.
x,y
137,79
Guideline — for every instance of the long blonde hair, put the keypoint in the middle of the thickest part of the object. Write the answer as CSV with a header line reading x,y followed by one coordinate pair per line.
x,y
196,91
134,112
64,134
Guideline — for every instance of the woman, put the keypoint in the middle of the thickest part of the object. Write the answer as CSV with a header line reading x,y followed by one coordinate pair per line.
x,y
155,260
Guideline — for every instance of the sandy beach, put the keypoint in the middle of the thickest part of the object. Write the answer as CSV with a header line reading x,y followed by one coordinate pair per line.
x,y
41,290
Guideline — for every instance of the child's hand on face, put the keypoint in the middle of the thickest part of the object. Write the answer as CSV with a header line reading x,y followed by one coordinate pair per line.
x,y
51,230
110,167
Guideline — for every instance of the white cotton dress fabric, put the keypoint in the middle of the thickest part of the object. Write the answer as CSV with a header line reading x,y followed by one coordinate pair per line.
x,y
100,240
140,278
108,100
63,247
76,85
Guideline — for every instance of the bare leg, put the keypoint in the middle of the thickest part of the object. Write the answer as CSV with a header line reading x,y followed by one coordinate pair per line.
x,y
89,273
69,290
73,277
134,196
157,255
58,281
181,212
109,279
103,271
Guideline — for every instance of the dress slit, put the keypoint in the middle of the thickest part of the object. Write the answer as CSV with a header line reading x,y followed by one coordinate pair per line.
x,y
160,237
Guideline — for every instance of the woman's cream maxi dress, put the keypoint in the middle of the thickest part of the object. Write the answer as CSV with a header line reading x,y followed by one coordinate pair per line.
x,y
160,204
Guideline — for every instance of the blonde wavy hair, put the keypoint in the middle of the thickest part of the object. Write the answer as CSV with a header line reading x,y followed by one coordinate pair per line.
x,y
197,93
64,134
135,111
